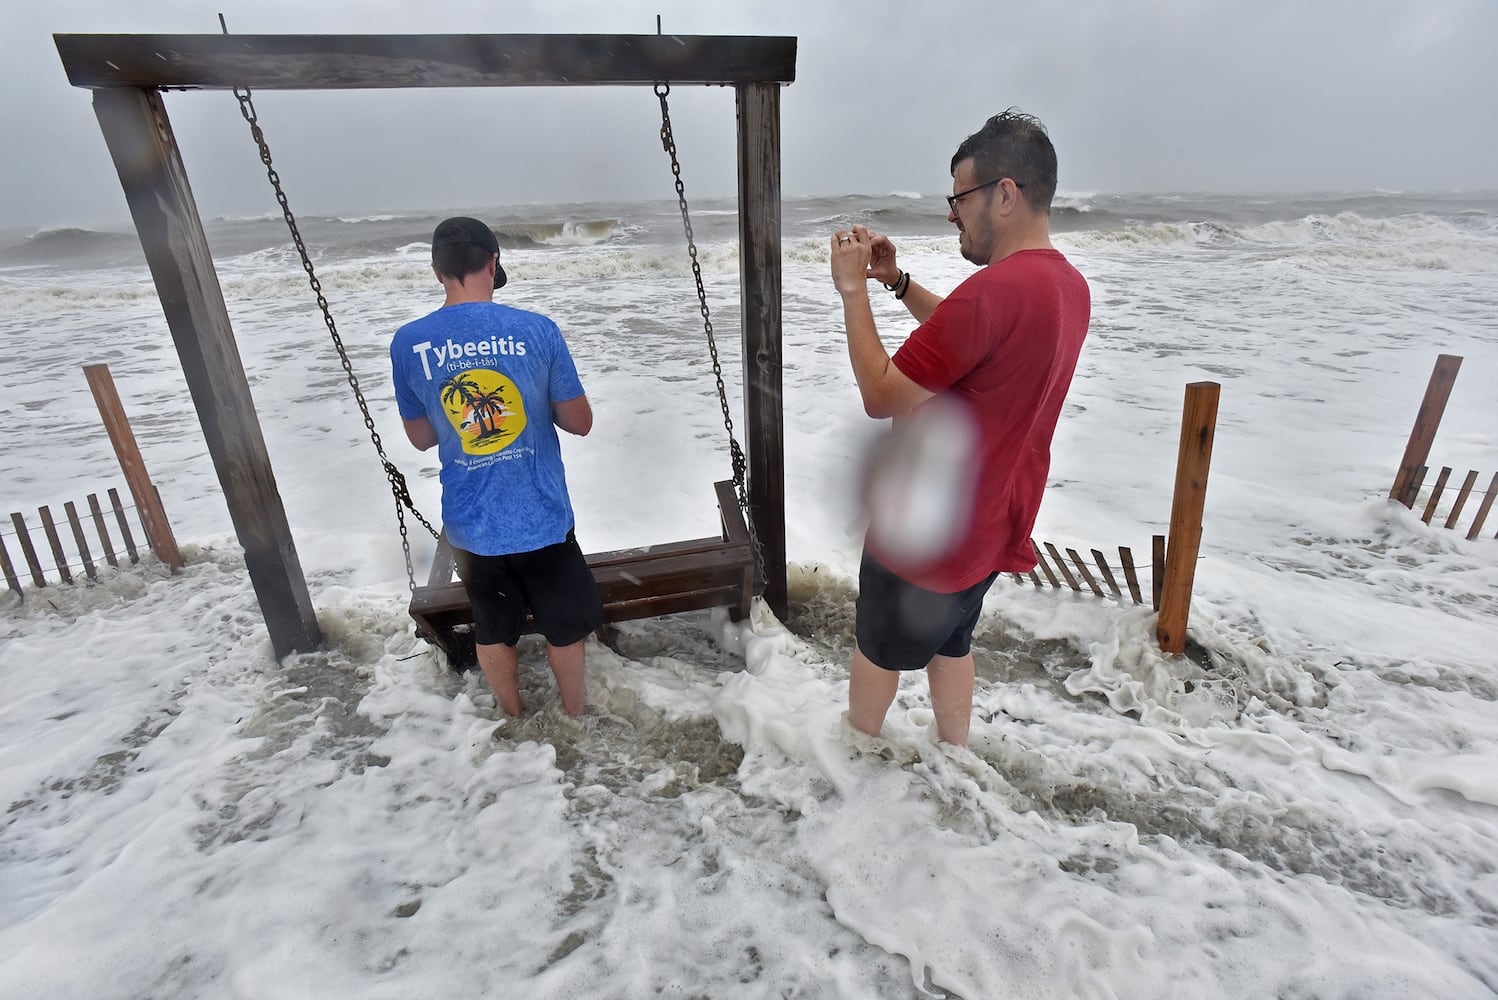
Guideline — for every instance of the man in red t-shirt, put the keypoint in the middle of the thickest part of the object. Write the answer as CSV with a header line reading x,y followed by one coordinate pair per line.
x,y
975,392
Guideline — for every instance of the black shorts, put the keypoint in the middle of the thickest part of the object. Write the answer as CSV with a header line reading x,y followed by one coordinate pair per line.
x,y
901,626
554,584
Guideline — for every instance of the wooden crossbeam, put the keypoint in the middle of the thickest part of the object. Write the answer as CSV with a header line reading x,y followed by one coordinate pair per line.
x,y
367,62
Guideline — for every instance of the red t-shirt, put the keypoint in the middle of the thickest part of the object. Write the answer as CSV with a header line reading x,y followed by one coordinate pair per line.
x,y
1003,347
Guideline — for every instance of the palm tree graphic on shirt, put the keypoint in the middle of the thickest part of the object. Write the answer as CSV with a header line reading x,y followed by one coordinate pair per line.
x,y
485,409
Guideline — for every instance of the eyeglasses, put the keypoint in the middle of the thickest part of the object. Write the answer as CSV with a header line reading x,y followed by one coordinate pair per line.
x,y
953,199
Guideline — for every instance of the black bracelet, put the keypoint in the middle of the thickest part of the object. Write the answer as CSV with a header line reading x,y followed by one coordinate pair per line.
x,y
900,276
904,284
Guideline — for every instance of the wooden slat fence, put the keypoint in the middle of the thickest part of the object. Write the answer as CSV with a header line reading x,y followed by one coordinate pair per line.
x,y
1449,508
1410,482
1072,572
73,552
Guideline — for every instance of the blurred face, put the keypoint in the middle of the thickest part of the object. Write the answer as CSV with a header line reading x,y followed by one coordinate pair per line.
x,y
969,213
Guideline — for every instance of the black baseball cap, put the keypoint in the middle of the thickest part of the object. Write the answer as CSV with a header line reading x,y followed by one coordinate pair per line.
x,y
463,230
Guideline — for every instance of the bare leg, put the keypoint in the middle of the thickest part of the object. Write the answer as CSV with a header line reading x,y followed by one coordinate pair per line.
x,y
567,664
951,680
871,689
501,667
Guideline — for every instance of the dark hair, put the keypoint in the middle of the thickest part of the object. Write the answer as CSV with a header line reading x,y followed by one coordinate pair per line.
x,y
1013,144
459,260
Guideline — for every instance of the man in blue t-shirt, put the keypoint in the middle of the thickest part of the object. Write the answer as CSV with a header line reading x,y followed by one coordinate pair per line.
x,y
489,385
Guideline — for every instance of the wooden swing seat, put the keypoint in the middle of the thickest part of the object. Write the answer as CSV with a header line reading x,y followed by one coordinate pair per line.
x,y
635,583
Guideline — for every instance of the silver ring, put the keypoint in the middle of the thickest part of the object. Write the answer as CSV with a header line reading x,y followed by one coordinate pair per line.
x,y
844,239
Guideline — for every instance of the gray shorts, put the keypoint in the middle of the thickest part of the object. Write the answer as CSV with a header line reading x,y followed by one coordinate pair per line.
x,y
901,626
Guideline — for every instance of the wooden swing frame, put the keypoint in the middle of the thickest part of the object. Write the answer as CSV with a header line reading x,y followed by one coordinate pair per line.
x,y
128,73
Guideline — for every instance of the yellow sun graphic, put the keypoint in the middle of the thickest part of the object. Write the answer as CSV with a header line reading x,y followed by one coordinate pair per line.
x,y
485,409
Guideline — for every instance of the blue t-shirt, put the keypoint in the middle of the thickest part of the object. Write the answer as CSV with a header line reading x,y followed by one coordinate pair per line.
x,y
485,376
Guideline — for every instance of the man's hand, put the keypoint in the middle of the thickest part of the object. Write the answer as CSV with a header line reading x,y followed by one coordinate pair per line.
x,y
881,257
850,261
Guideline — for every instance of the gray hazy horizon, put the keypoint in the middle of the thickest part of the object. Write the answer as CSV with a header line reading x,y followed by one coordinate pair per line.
x,y
1139,97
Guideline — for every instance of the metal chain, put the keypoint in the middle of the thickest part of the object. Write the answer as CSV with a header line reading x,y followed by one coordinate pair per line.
x,y
398,487
668,143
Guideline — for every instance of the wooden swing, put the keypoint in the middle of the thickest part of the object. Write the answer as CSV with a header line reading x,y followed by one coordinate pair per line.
x,y
635,583
128,73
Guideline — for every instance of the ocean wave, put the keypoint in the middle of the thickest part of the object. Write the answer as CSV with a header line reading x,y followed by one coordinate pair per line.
x,y
274,216
414,274
556,234
73,237
1155,235
47,299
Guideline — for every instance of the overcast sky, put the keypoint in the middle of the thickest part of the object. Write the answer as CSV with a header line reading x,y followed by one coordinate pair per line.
x,y
1139,96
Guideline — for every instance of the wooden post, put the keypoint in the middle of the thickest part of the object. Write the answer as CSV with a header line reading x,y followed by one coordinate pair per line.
x,y
149,164
1157,569
124,523
152,516
102,528
1461,498
1071,581
759,292
27,549
1193,462
9,569
1482,510
80,540
1086,573
1045,567
1131,576
1102,565
58,555
1435,493
1427,422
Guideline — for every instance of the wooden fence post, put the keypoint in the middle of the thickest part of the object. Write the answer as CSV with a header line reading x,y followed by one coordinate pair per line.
x,y
147,501
11,580
1193,462
28,549
1427,421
